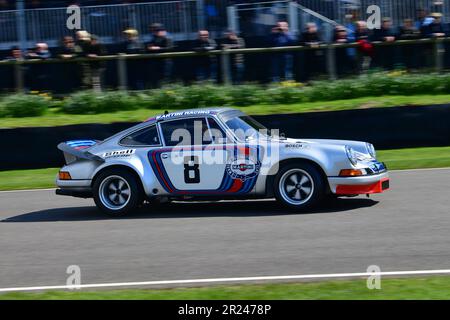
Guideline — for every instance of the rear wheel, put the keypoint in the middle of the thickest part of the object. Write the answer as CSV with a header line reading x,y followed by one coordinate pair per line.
x,y
299,186
116,192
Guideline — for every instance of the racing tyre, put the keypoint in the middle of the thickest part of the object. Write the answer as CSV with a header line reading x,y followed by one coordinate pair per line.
x,y
117,192
299,186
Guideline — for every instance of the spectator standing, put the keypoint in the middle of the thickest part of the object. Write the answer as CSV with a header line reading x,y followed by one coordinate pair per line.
x,y
132,45
153,28
366,51
82,49
410,52
87,46
340,35
39,74
161,69
436,28
8,72
230,42
313,58
15,54
421,18
282,63
386,33
206,64
344,56
385,57
67,50
98,67
70,72
40,52
408,31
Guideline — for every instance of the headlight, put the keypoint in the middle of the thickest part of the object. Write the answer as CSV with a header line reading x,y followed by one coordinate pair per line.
x,y
351,155
371,150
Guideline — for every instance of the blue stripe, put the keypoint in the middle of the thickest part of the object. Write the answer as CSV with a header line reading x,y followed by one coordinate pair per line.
x,y
225,185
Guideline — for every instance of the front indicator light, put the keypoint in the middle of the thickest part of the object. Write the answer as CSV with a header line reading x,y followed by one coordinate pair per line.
x,y
350,173
64,175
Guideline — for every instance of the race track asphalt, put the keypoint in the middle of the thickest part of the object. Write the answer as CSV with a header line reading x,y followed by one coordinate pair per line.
x,y
407,228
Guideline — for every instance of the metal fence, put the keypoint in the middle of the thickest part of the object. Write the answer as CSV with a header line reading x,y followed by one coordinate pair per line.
x,y
181,18
398,10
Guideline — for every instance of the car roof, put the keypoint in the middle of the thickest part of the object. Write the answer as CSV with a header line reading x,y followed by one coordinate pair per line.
x,y
189,113
174,115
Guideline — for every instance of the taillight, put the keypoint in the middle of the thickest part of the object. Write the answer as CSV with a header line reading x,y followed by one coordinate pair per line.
x,y
64,175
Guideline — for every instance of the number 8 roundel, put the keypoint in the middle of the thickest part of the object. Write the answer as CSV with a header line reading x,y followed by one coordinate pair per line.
x,y
231,183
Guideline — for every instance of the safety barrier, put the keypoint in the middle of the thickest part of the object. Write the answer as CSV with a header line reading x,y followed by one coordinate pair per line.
x,y
437,45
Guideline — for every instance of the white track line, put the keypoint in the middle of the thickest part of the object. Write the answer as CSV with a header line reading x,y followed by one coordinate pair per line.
x,y
27,190
239,279
406,170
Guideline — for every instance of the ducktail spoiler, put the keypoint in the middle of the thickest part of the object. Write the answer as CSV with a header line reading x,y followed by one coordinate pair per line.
x,y
76,149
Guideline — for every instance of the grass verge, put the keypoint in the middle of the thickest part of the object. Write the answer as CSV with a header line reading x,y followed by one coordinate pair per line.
x,y
423,288
417,158
54,118
27,179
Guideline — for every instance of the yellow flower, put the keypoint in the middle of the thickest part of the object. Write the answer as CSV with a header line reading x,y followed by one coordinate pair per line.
x,y
291,84
397,73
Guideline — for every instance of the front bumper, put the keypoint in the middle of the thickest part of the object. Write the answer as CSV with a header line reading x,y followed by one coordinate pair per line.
x,y
359,185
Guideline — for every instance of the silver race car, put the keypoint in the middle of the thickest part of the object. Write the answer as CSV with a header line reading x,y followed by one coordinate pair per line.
x,y
215,154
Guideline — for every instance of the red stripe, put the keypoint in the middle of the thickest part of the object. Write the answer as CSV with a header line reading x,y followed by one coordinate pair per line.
x,y
160,173
245,151
237,185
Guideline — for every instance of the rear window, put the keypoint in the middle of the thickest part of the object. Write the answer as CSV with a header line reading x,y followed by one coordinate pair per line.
x,y
145,137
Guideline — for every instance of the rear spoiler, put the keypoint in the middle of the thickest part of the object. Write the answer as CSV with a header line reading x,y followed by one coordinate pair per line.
x,y
75,149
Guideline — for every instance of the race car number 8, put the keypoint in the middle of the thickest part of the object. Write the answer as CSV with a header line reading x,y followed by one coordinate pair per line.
x,y
191,170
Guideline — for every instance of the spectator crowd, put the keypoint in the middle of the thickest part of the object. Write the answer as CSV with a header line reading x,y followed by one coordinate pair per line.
x,y
89,74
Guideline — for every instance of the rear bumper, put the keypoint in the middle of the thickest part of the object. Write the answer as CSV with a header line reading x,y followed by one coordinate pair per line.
x,y
68,184
359,185
77,193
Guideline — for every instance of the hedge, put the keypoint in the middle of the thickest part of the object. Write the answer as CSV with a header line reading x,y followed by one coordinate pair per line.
x,y
209,94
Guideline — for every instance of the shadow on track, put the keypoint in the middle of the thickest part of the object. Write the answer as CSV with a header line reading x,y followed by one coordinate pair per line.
x,y
190,210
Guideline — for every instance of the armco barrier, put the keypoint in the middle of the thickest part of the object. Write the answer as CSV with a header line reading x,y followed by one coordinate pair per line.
x,y
386,128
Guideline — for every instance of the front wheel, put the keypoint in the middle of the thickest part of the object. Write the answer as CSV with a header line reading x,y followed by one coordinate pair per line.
x,y
299,186
117,192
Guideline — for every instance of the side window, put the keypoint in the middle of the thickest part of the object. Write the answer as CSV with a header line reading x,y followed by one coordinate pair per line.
x,y
216,134
185,132
145,137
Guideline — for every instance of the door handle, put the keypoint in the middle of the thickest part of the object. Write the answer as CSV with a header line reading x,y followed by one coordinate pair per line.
x,y
164,155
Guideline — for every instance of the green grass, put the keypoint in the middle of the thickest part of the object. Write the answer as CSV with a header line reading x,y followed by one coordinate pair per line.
x,y
27,179
404,288
416,158
54,118
395,159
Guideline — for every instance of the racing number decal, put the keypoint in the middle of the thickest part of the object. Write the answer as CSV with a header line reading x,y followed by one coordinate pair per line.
x,y
191,170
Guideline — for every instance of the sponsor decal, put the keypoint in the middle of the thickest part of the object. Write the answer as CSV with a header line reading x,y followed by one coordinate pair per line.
x,y
243,169
296,146
184,113
119,153
378,166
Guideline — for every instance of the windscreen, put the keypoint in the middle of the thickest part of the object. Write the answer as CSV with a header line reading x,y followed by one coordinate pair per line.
x,y
246,128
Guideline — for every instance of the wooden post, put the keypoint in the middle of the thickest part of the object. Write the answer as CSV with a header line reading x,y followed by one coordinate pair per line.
x,y
225,63
122,72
